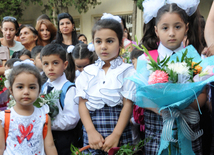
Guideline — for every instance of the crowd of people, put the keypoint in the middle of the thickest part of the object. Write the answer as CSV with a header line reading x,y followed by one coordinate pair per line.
x,y
94,95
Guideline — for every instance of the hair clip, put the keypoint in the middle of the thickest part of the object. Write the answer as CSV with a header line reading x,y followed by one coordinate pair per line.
x,y
91,47
27,61
70,48
110,16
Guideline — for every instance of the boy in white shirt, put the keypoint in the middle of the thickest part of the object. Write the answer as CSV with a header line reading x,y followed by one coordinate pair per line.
x,y
54,63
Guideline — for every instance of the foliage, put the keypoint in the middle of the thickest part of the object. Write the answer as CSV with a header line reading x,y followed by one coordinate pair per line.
x,y
139,4
2,79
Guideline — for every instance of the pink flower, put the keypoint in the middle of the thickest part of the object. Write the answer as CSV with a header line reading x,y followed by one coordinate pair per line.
x,y
158,77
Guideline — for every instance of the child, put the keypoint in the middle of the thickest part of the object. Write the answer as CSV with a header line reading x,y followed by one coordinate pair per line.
x,y
82,56
35,54
10,62
134,55
54,63
171,25
25,54
105,99
26,122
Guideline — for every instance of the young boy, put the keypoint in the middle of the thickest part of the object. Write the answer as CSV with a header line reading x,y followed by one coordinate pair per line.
x,y
35,56
134,55
54,62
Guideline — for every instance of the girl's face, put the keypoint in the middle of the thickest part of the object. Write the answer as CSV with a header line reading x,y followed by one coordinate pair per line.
x,y
8,29
171,30
65,26
125,33
25,89
44,33
81,63
27,36
106,44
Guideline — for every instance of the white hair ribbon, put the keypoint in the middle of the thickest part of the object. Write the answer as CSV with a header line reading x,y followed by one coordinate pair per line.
x,y
151,7
27,61
91,47
70,48
110,16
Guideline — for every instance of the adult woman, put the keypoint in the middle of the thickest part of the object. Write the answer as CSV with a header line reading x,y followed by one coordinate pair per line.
x,y
66,33
46,31
9,28
83,38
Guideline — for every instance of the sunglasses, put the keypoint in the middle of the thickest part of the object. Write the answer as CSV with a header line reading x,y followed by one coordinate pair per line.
x,y
9,18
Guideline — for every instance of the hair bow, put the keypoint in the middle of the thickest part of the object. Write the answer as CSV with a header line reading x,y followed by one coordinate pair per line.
x,y
91,47
27,61
70,48
110,16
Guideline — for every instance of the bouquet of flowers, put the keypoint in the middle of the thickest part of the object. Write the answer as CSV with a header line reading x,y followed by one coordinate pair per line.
x,y
2,79
169,86
4,94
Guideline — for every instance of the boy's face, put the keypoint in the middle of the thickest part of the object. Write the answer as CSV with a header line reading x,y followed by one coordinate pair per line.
x,y
53,66
134,62
38,62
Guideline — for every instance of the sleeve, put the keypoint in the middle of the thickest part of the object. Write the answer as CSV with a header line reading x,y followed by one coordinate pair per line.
x,y
2,118
81,83
129,88
67,118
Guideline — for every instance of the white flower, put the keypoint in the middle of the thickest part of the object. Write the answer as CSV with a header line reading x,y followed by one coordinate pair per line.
x,y
11,104
7,73
7,84
179,68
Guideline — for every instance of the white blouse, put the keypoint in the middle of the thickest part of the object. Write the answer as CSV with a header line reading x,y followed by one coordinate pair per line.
x,y
25,132
110,88
68,117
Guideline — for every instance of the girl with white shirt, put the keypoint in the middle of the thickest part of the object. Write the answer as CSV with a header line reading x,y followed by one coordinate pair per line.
x,y
163,36
105,97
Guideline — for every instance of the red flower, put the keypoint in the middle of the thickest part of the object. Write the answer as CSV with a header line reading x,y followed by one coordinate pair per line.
x,y
0,79
43,96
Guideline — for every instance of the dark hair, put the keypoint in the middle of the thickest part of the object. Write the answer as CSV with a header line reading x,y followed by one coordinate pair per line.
x,y
109,24
50,27
135,53
53,49
12,20
81,52
80,35
35,51
9,63
43,16
151,41
35,32
25,52
57,49
27,69
125,28
203,22
59,37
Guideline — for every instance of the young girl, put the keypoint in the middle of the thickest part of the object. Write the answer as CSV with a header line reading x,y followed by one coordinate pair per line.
x,y
26,122
171,25
105,99
82,55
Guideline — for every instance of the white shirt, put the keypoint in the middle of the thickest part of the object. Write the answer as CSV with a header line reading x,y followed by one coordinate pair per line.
x,y
25,132
17,47
110,88
163,52
68,117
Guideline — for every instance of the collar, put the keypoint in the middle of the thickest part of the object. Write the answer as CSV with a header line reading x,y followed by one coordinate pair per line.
x,y
114,63
58,83
163,51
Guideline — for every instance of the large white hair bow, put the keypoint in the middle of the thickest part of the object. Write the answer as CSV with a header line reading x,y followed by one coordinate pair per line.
x,y
110,16
27,61
151,7
70,48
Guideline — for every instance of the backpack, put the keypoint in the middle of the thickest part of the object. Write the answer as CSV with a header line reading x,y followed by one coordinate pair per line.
x,y
7,124
64,89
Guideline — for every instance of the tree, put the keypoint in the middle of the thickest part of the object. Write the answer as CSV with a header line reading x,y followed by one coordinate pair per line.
x,y
139,4
54,7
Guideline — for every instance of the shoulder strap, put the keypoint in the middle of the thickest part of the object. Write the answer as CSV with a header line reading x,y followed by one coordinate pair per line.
x,y
65,88
45,128
6,123
43,87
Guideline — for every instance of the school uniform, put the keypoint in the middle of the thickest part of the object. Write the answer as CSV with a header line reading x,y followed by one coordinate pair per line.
x,y
63,126
104,93
154,122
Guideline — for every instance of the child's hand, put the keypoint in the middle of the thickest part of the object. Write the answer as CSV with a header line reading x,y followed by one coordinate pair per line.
x,y
111,141
95,139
